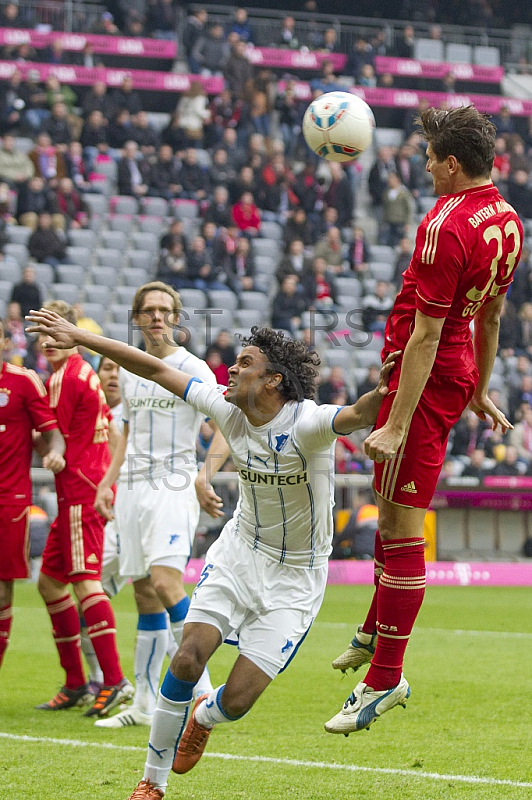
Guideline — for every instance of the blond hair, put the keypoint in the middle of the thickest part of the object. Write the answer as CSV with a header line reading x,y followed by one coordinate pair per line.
x,y
63,309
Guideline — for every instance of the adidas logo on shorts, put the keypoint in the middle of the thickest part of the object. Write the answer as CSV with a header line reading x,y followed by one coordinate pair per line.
x,y
409,487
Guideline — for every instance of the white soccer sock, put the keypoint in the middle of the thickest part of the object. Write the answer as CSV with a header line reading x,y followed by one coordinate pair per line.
x,y
168,724
171,646
210,713
150,650
95,671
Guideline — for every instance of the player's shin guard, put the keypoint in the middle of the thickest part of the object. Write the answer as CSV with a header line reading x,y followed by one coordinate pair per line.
x,y
169,722
399,598
211,712
101,628
177,616
65,628
6,617
89,654
150,650
370,623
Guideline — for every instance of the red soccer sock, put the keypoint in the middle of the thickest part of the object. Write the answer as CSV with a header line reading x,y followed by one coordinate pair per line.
x,y
101,628
370,624
65,629
6,617
399,598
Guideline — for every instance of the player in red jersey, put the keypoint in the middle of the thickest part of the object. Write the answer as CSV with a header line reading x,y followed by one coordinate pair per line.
x,y
466,250
23,408
73,551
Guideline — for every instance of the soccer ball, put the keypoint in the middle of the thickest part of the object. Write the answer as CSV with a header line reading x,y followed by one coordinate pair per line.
x,y
338,126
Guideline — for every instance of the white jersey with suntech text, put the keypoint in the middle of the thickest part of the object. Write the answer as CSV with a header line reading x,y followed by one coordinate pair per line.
x,y
117,413
286,475
162,428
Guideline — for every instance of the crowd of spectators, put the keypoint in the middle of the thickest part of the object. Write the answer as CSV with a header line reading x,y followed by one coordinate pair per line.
x,y
239,156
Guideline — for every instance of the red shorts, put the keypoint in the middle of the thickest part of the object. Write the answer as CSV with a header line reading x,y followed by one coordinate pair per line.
x,y
14,542
74,547
410,478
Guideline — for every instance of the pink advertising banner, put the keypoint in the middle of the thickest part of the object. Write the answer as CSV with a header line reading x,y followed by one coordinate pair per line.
x,y
407,98
439,573
112,45
293,59
411,68
142,78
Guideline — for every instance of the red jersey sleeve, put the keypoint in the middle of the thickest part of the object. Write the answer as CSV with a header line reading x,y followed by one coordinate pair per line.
x,y
41,415
438,271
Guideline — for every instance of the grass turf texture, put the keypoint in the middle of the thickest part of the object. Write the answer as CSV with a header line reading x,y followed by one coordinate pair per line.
x,y
469,713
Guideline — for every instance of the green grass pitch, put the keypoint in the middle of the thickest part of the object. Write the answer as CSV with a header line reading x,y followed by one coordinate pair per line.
x,y
466,731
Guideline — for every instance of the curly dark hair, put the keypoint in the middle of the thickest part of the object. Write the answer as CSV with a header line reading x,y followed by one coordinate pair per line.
x,y
292,359
464,133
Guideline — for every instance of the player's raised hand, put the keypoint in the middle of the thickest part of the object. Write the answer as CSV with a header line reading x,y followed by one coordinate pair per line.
x,y
207,497
483,407
51,324
103,502
384,377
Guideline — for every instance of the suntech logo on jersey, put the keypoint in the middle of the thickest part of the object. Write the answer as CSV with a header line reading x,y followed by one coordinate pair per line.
x,y
152,403
250,476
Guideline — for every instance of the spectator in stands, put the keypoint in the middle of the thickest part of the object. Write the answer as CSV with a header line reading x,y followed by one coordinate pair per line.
x,y
15,166
225,113
508,466
327,80
524,342
467,434
127,97
27,292
60,93
55,53
309,191
319,287
475,468
93,138
329,42
174,234
409,167
87,58
12,103
405,248
164,175
241,268
58,127
238,72
220,172
501,162
361,56
378,174
219,210
210,235
291,111
371,380
76,168
518,157
10,16
312,32
201,270
334,385
14,330
287,306
240,25
339,194
359,252
225,245
508,331
330,248
294,262
161,19
230,144
145,135
106,25
397,206
520,394
287,37
259,107
174,135
367,76
404,48
297,226
70,204
246,215
49,164
376,307
36,109
503,121
193,179
97,99
172,267
119,130
45,245
410,116
211,51
133,172
521,436
194,28
36,198
224,342
520,193
521,288
194,113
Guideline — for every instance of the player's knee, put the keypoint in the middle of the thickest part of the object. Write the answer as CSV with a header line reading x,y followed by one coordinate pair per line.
x,y
188,663
6,593
236,705
45,587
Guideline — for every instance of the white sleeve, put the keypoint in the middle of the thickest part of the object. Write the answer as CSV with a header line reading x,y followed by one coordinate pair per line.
x,y
122,378
316,431
210,401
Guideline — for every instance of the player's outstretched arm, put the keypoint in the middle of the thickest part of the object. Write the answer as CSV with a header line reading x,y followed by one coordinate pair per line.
x,y
66,336
485,344
363,413
216,456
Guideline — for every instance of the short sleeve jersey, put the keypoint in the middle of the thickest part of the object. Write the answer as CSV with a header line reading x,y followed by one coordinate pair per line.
x,y
83,416
466,250
162,428
23,407
286,475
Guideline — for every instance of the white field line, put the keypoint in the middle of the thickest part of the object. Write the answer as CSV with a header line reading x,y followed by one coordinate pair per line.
x,y
288,762
449,631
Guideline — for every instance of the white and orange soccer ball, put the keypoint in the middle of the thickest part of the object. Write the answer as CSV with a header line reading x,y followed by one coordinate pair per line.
x,y
338,126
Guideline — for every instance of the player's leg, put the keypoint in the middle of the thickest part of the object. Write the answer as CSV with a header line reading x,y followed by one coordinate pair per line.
x,y
6,615
14,564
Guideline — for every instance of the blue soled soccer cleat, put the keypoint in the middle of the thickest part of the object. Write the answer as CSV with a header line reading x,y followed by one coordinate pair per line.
x,y
364,706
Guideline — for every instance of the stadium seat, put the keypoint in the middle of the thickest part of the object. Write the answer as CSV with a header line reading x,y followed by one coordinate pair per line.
x,y
116,240
97,311
6,287
204,158
135,276
381,271
3,307
10,271
365,357
141,259
108,169
121,222
383,253
145,241
125,294
118,331
69,292
121,313
458,53
123,204
154,206
24,143
272,230
70,273
428,50
18,234
266,247
390,137
485,56
104,276
109,257
264,284
338,357
348,287
98,294
426,204
247,317
96,203
222,299
185,209
255,301
266,264
18,251
156,225
96,223
44,273
79,255
78,237
192,299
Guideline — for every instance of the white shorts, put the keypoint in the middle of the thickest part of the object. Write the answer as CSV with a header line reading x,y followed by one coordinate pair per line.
x,y
269,606
112,581
157,524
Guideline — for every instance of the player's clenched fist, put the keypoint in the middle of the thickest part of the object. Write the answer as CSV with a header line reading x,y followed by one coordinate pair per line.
x,y
382,444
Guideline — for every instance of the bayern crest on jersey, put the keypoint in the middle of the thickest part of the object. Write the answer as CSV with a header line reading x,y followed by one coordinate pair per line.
x,y
4,399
